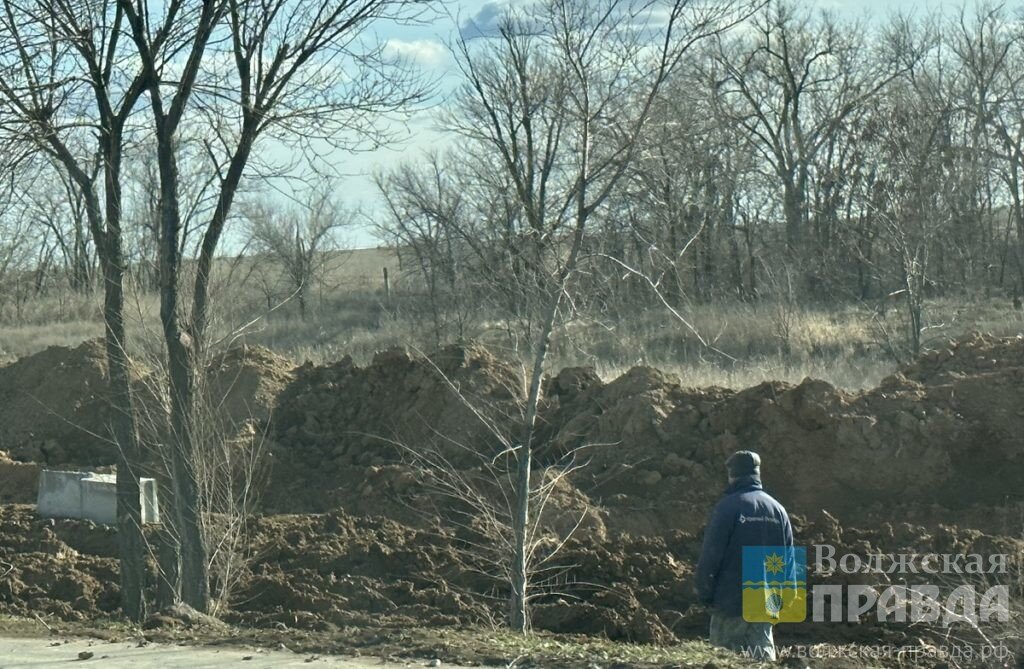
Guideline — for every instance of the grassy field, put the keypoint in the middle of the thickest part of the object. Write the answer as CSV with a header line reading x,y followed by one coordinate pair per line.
x,y
851,346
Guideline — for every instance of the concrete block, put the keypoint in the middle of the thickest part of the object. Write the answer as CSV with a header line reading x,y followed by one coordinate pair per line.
x,y
90,496
150,507
99,498
60,494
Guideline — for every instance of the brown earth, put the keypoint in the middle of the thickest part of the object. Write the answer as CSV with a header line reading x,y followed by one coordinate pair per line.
x,y
247,380
328,572
930,461
653,447
54,407
55,411
19,481
338,427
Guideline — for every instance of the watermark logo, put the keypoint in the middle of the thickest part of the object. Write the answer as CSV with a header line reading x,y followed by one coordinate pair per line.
x,y
936,588
774,584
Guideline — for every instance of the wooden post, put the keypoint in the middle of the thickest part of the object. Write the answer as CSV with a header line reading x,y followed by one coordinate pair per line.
x,y
387,288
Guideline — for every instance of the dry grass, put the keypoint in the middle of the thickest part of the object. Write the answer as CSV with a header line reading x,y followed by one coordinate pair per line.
x,y
751,343
748,373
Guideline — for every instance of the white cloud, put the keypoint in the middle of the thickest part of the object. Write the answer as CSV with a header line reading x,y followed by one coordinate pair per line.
x,y
425,52
485,21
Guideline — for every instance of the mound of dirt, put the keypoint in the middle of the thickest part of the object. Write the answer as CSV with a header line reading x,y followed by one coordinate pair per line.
x,y
930,461
334,422
54,406
975,354
656,449
331,571
652,449
246,382
62,568
313,571
20,481
944,430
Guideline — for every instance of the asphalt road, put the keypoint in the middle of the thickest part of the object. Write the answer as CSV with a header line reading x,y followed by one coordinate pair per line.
x,y
71,652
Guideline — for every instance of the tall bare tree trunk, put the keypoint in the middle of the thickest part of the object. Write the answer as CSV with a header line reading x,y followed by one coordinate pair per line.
x,y
131,541
168,556
195,582
181,362
106,227
518,617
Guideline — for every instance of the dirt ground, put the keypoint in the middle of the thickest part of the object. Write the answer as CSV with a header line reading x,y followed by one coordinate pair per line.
x,y
353,535
18,653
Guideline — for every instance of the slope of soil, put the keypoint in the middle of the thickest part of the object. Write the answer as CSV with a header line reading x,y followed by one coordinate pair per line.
x,y
54,406
930,461
339,424
659,448
19,481
333,571
55,410
653,448
245,382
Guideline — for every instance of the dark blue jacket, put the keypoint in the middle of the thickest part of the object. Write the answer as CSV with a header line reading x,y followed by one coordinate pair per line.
x,y
745,516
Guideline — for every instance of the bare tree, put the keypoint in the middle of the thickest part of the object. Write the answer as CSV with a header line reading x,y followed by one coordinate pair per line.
x,y
469,488
543,98
72,75
60,214
989,49
426,207
229,464
299,240
914,131
694,179
67,90
15,252
791,84
198,188
302,72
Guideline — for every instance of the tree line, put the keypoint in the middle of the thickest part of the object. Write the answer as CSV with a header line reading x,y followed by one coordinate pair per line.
x,y
803,156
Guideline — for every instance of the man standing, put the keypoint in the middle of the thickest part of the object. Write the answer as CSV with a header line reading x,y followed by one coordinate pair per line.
x,y
745,516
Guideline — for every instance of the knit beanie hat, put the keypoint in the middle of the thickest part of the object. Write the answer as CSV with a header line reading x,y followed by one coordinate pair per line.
x,y
744,463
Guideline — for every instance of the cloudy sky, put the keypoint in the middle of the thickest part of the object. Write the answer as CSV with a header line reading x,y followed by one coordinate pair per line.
x,y
427,45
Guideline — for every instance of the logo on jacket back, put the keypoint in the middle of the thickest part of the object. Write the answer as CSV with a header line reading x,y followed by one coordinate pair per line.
x,y
774,584
759,519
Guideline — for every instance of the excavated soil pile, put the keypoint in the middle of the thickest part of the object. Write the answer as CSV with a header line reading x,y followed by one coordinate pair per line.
x,y
331,571
335,570
930,461
245,382
942,431
338,427
19,481
338,570
656,448
653,449
64,568
54,406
